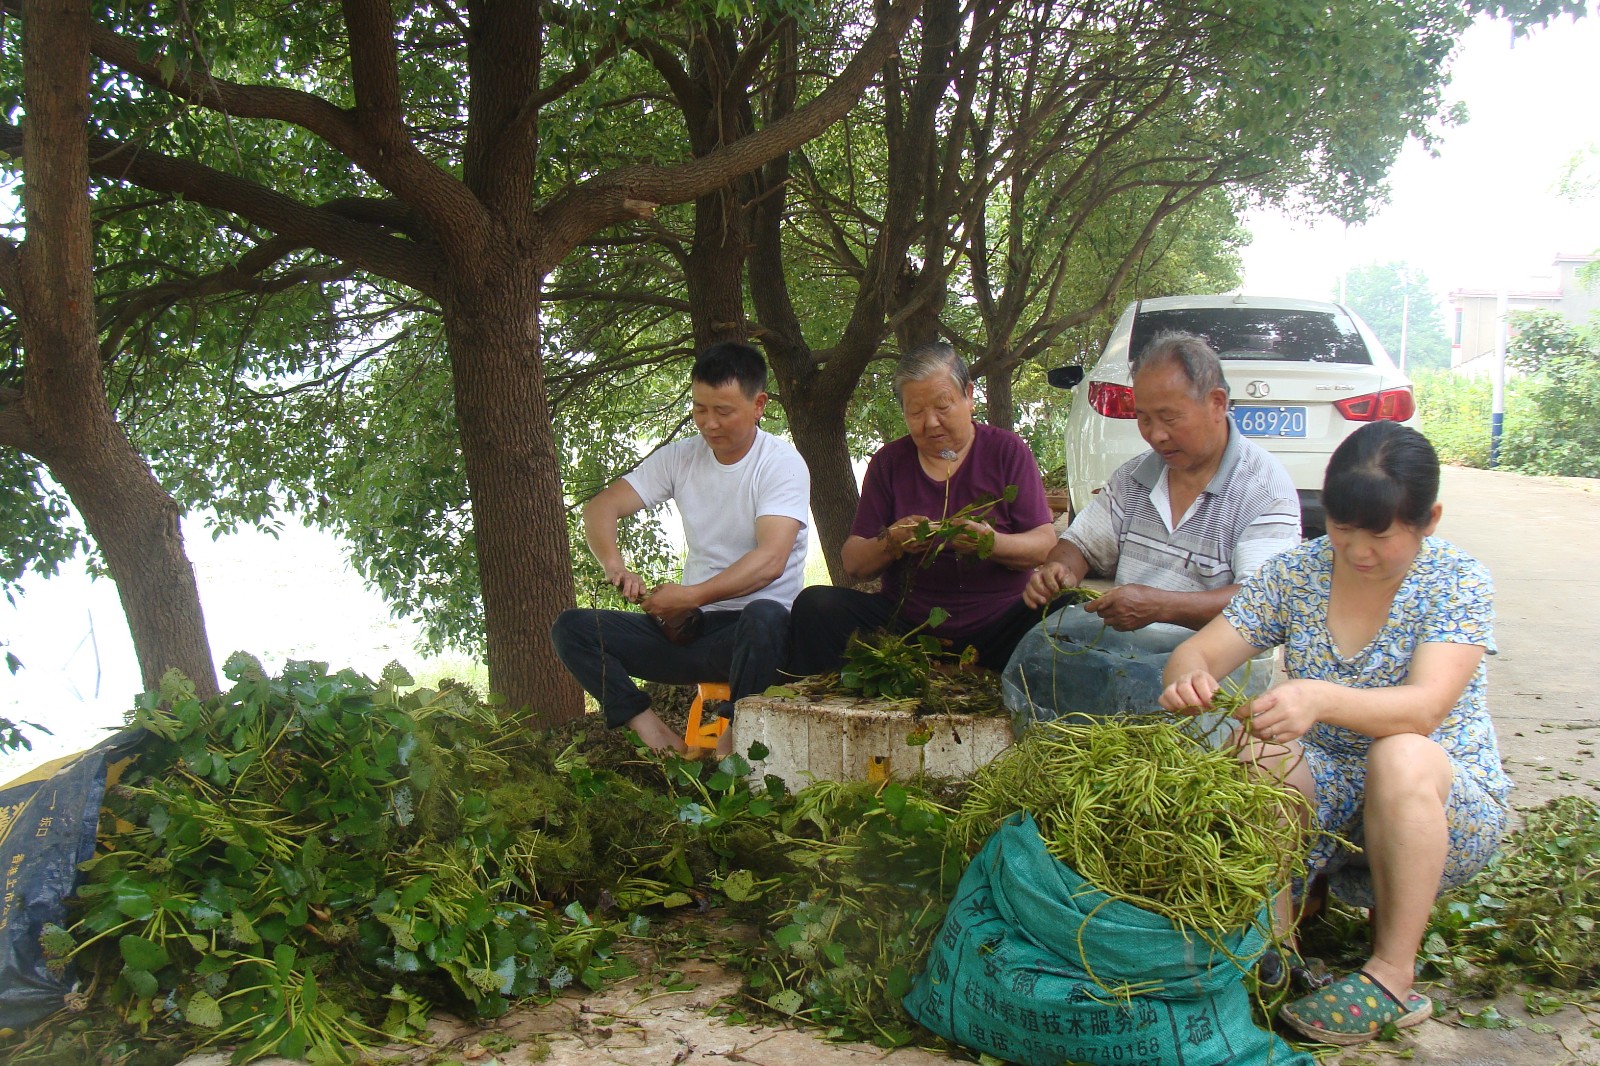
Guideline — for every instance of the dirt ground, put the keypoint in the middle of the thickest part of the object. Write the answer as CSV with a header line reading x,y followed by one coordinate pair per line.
x,y
1538,537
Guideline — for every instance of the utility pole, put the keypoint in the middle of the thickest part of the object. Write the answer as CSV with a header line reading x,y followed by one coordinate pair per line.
x,y
1497,415
1344,260
1405,312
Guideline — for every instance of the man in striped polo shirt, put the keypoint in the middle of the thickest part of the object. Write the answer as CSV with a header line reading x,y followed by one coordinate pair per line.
x,y
1180,526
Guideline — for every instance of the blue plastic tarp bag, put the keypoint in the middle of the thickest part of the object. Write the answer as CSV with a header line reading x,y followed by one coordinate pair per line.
x,y
1074,667
1037,966
48,822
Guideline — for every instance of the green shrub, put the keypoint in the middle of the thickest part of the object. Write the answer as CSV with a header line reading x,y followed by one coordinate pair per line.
x,y
1455,415
1557,425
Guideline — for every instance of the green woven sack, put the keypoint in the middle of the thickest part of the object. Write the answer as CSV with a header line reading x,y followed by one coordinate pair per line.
x,y
1028,950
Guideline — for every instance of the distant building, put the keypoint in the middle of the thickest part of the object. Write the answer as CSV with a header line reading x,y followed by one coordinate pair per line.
x,y
1476,313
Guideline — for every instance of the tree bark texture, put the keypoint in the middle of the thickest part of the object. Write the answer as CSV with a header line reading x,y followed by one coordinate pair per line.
x,y
997,395
65,419
514,476
814,425
714,96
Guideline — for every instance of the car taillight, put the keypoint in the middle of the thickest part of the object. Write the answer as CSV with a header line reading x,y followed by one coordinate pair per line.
x,y
1390,405
1113,401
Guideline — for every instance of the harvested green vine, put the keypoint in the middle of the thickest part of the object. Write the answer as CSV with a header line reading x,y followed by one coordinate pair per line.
x,y
1148,815
1534,915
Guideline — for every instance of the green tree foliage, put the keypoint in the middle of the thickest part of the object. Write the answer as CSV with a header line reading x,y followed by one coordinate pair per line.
x,y
1195,252
393,486
1557,428
283,192
1540,338
1396,300
37,528
978,222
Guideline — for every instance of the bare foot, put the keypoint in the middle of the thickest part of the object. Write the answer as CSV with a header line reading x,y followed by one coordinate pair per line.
x,y
654,732
1397,979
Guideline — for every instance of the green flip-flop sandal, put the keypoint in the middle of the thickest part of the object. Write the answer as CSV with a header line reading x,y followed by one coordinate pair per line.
x,y
1353,1010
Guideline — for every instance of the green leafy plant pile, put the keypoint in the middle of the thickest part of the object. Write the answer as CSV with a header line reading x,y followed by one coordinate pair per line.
x,y
852,910
912,666
305,863
309,863
1534,915
845,884
893,666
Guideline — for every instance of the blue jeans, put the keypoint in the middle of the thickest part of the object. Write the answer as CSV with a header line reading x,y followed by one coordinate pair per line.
x,y
606,650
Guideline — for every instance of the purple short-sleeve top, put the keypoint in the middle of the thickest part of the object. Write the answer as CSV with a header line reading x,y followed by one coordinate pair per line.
x,y
975,592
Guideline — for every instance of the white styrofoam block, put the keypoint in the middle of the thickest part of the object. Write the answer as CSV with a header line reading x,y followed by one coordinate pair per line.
x,y
860,740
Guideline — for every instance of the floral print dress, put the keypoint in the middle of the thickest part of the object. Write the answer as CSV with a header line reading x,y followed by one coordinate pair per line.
x,y
1445,597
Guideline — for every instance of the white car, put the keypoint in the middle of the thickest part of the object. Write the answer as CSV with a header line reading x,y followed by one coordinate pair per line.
x,y
1302,375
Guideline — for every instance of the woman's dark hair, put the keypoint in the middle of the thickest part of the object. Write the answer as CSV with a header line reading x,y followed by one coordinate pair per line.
x,y
1382,473
731,361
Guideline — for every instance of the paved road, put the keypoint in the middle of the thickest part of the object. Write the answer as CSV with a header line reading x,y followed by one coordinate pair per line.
x,y
1540,538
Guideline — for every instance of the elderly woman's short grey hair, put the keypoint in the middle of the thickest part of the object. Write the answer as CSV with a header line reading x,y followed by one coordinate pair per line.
x,y
926,360
1193,356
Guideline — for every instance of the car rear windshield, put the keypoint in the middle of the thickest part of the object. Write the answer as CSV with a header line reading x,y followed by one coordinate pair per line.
x,y
1260,333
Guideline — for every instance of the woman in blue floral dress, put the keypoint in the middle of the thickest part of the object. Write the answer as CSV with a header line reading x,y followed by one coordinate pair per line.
x,y
1383,724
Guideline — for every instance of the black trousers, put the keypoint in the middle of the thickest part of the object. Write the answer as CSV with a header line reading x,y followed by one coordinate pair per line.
x,y
824,618
606,650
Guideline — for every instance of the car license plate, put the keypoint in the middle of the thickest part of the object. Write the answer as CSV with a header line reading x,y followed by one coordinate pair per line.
x,y
1261,421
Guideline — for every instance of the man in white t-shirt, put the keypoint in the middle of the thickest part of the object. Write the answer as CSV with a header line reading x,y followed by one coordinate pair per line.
x,y
743,496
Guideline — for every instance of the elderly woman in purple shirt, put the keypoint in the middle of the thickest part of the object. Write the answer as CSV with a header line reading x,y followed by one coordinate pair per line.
x,y
945,463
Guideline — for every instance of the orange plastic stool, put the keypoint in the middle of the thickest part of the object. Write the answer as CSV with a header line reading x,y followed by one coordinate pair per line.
x,y
703,734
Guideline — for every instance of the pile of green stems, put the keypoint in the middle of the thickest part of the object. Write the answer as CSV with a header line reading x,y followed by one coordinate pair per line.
x,y
1149,815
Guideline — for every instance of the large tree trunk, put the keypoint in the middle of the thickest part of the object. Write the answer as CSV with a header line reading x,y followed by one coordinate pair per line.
x,y
715,98
514,476
816,416
714,273
64,417
997,391
134,522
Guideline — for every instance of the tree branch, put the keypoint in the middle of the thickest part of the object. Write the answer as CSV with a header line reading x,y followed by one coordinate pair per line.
x,y
683,88
240,277
563,293
373,135
303,109
331,232
603,200
523,125
750,59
